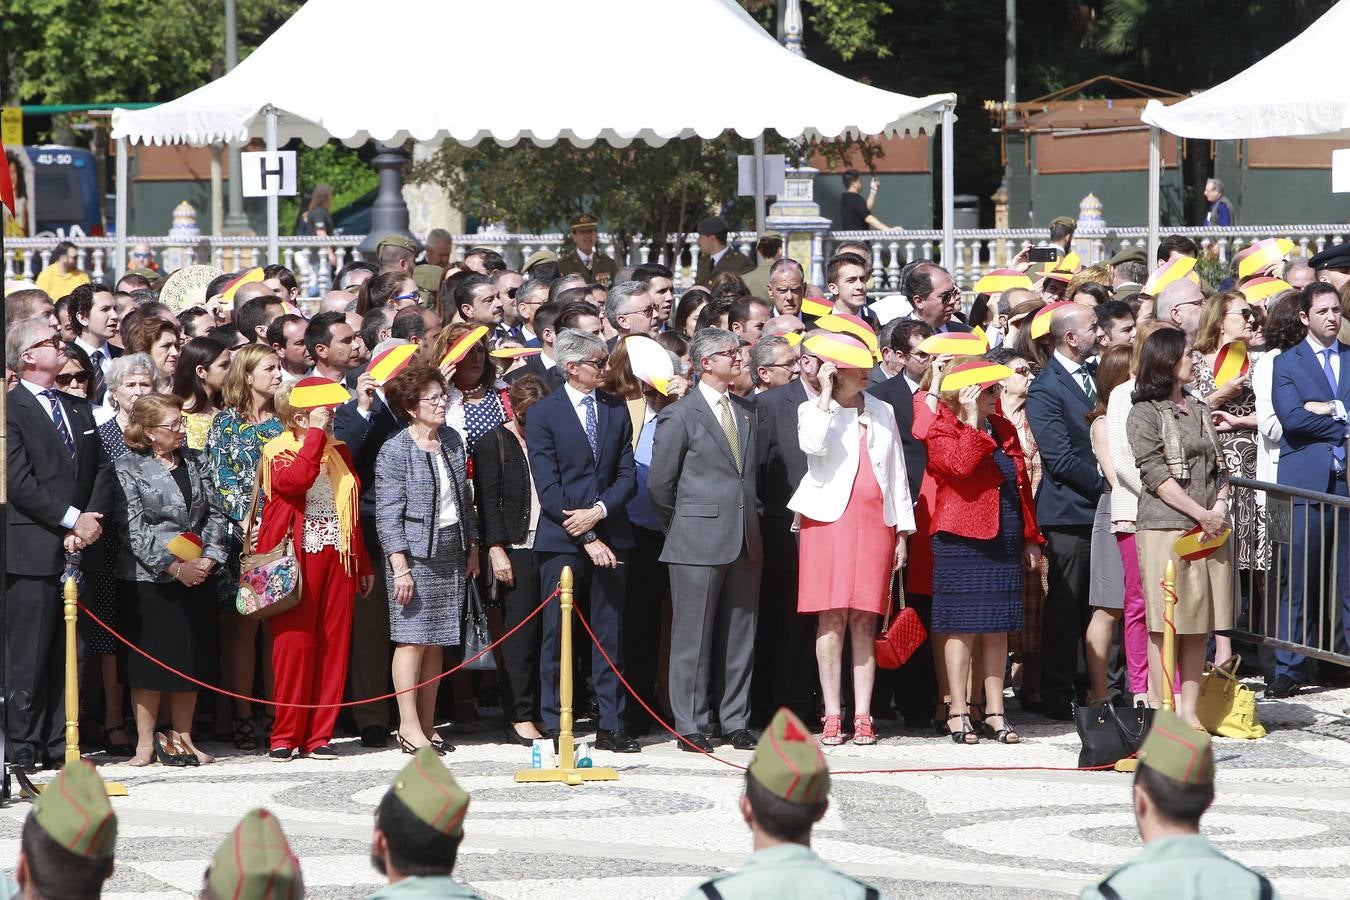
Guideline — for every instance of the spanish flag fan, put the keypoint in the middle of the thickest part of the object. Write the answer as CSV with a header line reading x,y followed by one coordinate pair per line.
x,y
1231,363
845,323
1167,273
460,348
955,343
815,306
186,546
314,391
976,372
1194,545
844,350
1000,280
390,361
1040,323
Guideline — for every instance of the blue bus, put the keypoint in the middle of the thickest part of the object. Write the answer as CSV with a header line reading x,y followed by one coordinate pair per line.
x,y
68,192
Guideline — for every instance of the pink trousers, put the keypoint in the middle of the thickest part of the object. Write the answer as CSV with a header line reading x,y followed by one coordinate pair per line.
x,y
1135,625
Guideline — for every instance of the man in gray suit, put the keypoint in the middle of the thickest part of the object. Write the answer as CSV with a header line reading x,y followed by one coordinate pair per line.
x,y
703,484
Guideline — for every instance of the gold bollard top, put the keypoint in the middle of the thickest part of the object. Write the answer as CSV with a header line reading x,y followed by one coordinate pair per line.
x,y
1170,573
565,581
70,593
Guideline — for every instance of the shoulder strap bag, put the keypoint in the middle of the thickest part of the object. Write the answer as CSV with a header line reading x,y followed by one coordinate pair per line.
x,y
269,583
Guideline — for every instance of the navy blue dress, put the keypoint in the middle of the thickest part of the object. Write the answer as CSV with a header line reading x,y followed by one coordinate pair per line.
x,y
977,584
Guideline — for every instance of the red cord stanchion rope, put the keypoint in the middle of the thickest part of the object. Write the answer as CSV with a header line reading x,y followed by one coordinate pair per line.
x,y
726,762
219,690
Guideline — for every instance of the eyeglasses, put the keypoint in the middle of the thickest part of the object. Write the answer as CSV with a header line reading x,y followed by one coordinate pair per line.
x,y
920,355
949,295
54,342
1188,302
791,367
733,354
66,379
647,311
511,292
434,401
180,425
599,362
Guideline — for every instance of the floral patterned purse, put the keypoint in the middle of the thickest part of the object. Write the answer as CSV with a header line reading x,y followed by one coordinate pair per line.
x,y
269,583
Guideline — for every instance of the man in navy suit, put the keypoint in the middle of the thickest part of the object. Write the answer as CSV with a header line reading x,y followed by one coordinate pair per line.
x,y
935,297
1310,393
1057,406
543,365
581,457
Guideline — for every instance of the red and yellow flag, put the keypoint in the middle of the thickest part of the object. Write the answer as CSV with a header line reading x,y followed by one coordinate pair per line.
x,y
814,306
186,546
390,362
1167,273
845,323
1040,323
1231,363
460,348
1263,288
1194,545
1000,280
955,344
314,391
976,372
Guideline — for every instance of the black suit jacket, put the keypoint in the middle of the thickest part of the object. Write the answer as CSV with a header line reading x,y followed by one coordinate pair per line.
x,y
44,482
501,481
782,464
534,365
895,391
364,438
1071,483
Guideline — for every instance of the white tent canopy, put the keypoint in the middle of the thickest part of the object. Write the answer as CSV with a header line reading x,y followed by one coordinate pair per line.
x,y
1297,91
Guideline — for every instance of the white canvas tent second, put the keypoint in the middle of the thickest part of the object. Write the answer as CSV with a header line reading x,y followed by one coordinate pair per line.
x,y
581,72
1297,91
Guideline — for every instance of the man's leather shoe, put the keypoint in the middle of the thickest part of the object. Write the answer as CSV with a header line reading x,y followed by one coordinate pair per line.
x,y
699,742
742,739
25,760
374,736
1283,686
616,741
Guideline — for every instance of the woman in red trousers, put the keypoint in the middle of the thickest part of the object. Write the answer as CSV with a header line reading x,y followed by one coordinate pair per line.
x,y
312,493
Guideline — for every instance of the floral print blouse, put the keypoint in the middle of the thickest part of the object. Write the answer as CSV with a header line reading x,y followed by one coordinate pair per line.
x,y
233,447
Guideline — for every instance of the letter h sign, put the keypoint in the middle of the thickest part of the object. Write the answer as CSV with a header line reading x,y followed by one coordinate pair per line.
x,y
267,174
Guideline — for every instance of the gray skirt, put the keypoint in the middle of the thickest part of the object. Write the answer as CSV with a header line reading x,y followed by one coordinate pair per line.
x,y
432,616
1107,589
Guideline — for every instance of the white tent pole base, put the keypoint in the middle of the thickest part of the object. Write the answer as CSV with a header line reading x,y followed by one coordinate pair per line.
x,y
1154,192
948,189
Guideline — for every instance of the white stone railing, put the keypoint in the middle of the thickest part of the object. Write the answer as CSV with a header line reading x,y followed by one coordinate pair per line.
x,y
976,250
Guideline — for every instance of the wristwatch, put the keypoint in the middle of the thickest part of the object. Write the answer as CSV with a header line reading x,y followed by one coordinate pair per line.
x,y
589,536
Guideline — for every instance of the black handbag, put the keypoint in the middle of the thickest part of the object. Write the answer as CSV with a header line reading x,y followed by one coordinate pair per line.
x,y
473,632
1110,734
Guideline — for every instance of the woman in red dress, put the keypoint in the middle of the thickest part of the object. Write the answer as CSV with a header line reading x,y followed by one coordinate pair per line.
x,y
855,513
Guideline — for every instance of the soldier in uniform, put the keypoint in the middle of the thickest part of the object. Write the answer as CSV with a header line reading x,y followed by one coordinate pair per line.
x,y
769,249
786,793
418,829
714,256
254,863
67,843
1173,787
584,259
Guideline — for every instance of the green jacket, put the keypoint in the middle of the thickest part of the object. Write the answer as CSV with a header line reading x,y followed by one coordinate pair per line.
x,y
785,872
1181,868
425,886
602,270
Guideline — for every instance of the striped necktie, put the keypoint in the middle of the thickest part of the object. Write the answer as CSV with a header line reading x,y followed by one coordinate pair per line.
x,y
59,420
729,426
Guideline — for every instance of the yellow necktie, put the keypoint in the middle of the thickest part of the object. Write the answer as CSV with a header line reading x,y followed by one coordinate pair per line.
x,y
729,426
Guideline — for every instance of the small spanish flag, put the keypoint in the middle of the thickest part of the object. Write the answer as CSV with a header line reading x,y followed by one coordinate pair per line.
x,y
1231,363
844,323
844,350
1194,545
249,277
186,546
814,306
390,362
793,338
976,372
1069,263
1040,323
460,348
1000,280
1167,273
1057,275
292,310
1263,288
314,391
955,343
650,362
1262,255
514,352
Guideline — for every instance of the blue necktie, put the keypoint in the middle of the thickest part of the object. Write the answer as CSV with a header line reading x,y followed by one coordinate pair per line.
x,y
59,420
589,403
1337,450
96,359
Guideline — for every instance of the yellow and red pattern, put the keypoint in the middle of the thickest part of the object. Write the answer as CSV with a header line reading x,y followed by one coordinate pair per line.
x,y
249,277
1040,323
1263,288
390,362
793,338
650,362
460,348
814,306
1194,545
1231,363
844,350
955,343
1069,263
845,323
976,372
1262,255
514,352
314,391
1000,280
186,546
1167,273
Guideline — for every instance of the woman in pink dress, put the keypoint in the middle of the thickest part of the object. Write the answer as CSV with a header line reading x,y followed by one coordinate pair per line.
x,y
855,514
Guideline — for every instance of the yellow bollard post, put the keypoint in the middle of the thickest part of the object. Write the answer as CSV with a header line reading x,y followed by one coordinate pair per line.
x,y
566,770
1169,647
71,596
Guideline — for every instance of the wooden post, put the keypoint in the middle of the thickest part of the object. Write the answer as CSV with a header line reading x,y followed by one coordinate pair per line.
x,y
71,596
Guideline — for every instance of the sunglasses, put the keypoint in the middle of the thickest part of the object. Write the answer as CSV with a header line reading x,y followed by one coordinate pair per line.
x,y
511,292
598,363
54,342
66,379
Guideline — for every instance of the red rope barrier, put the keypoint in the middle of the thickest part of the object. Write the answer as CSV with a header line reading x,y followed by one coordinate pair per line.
x,y
210,687
726,762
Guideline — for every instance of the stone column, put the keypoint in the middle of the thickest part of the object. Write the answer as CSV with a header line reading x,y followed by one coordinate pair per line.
x,y
389,213
796,215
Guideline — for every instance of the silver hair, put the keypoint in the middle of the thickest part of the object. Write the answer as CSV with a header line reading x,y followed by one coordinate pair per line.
x,y
576,346
1218,184
785,264
1170,296
532,286
126,365
707,341
762,354
618,298
20,338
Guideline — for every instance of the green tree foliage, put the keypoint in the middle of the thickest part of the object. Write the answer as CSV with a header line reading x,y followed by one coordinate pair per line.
x,y
346,170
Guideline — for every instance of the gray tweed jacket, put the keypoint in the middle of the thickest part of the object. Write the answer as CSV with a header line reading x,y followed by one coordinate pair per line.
x,y
406,502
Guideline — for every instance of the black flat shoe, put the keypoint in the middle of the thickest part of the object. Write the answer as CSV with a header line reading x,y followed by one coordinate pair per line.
x,y
742,739
323,751
517,738
281,754
1281,688
700,744
617,741
117,748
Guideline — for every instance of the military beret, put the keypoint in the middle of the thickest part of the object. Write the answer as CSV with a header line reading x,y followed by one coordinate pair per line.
x,y
150,275
1337,256
398,240
1128,255
788,761
75,812
256,861
712,225
583,222
428,276
537,257
1065,221
1176,750
428,789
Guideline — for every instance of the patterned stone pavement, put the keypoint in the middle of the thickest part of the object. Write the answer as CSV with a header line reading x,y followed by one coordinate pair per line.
x,y
1283,806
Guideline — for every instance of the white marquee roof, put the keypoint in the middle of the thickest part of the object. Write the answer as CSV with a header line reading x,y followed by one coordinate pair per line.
x,y
1297,91
617,70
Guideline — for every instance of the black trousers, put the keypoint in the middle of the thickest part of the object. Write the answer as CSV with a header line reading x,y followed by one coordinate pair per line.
x,y
785,640
35,708
648,594
1069,549
520,652
607,593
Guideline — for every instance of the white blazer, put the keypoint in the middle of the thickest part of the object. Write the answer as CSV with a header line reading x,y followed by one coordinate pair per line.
x,y
830,442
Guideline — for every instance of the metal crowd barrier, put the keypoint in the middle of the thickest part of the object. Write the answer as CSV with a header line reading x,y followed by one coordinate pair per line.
x,y
1302,549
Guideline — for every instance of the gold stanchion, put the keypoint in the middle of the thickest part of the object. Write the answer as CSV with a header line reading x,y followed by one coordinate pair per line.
x,y
566,770
71,596
1169,649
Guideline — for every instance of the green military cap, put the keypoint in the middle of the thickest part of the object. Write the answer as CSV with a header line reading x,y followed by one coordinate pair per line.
x,y
1176,750
1127,255
398,240
537,257
256,862
584,222
75,812
428,789
1064,221
789,763
149,275
428,276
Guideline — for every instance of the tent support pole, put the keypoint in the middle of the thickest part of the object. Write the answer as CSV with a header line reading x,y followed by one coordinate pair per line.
x,y
273,251
948,190
759,184
118,263
1154,191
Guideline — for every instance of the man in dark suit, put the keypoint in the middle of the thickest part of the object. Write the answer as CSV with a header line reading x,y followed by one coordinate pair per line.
x,y
60,487
714,256
702,482
581,458
1310,393
543,365
935,297
93,318
1057,406
364,423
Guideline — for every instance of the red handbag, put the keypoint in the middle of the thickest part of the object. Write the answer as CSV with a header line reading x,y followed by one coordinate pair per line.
x,y
900,636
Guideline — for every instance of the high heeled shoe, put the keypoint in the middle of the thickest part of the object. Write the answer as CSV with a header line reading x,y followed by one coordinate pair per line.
x,y
967,736
166,753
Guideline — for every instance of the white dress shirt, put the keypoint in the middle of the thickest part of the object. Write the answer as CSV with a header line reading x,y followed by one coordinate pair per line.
x,y
717,257
68,520
575,397
1072,368
712,398
90,350
1318,357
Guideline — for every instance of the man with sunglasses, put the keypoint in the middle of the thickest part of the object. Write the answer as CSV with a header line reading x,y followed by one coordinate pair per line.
x,y
935,298
60,487
507,285
630,310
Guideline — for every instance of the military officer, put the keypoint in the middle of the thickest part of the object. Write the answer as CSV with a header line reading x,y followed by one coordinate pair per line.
x,y
255,862
714,256
786,793
67,843
769,249
584,259
418,828
1173,787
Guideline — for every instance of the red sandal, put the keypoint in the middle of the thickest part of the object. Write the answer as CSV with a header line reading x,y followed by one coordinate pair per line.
x,y
863,732
831,734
